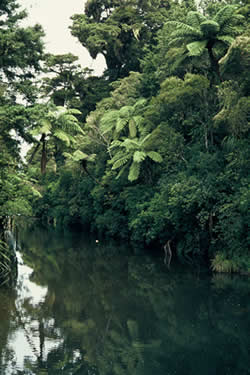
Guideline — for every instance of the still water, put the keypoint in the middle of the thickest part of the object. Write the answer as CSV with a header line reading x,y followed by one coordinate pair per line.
x,y
87,308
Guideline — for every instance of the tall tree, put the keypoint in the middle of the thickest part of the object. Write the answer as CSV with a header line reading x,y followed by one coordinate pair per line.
x,y
119,31
56,124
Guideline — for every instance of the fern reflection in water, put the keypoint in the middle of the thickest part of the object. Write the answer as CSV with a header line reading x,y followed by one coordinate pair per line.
x,y
7,264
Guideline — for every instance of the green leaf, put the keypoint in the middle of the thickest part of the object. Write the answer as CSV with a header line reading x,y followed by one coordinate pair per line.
x,y
62,136
121,171
125,111
74,111
145,139
132,128
120,162
134,171
120,124
139,156
130,144
45,127
155,156
79,155
226,38
194,19
108,121
197,48
209,28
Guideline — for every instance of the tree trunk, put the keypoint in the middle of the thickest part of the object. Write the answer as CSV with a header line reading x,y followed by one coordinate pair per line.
x,y
214,63
44,156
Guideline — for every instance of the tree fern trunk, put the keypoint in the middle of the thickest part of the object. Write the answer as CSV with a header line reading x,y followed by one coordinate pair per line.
x,y
44,156
214,63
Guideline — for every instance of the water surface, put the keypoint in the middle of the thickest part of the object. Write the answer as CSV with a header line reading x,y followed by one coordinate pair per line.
x,y
82,307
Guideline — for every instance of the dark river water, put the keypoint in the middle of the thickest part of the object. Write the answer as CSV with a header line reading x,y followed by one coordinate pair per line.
x,y
82,307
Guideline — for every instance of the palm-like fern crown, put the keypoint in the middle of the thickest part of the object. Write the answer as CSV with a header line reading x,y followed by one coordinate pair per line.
x,y
132,152
115,121
60,123
198,30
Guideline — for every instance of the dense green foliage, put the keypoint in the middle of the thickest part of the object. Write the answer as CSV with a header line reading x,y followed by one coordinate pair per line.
x,y
157,149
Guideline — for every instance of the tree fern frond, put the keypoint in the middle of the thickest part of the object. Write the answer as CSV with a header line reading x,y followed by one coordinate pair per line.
x,y
194,19
139,156
145,139
108,128
120,124
183,33
35,132
184,29
45,126
79,155
108,120
231,30
224,14
155,156
125,111
209,28
70,126
121,171
196,48
176,42
140,104
120,162
226,39
67,155
115,143
66,117
59,109
74,111
138,121
132,128
134,171
130,144
62,136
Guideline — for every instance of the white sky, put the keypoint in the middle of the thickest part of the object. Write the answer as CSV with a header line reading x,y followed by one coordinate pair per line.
x,y
54,16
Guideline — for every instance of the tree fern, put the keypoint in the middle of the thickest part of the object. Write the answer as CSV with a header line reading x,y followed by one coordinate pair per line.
x,y
199,34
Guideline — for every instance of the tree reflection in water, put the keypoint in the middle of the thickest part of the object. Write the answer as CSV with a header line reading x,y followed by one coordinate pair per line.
x,y
102,311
